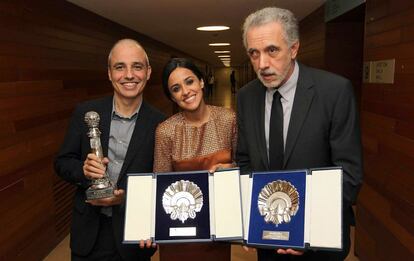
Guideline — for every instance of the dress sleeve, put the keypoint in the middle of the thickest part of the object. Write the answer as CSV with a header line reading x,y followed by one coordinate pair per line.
x,y
162,150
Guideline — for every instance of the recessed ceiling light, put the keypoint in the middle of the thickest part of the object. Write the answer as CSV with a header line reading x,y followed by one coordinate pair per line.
x,y
225,60
221,51
224,56
219,44
213,28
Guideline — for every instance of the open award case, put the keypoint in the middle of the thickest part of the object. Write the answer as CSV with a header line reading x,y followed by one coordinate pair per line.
x,y
178,207
293,209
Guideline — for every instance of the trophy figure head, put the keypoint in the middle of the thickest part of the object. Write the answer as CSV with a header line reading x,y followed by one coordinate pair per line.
x,y
92,119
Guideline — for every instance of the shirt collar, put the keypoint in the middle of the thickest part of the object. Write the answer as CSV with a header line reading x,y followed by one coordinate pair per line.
x,y
116,114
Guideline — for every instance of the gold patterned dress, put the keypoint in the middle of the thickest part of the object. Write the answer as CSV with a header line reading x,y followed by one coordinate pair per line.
x,y
180,146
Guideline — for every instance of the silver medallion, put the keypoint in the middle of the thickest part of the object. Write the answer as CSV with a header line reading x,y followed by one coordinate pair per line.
x,y
278,202
182,199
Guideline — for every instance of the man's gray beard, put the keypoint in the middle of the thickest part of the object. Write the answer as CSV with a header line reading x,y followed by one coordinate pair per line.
x,y
273,84
276,83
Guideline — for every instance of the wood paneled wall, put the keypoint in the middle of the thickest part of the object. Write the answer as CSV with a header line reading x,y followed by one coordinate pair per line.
x,y
53,55
312,31
385,210
344,46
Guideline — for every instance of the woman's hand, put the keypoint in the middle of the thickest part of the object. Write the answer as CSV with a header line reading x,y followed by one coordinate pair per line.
x,y
220,166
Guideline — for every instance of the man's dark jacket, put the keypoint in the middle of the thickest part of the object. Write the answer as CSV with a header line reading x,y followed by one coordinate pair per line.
x,y
69,162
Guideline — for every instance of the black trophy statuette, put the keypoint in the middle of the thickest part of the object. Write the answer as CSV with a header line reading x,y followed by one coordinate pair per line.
x,y
100,188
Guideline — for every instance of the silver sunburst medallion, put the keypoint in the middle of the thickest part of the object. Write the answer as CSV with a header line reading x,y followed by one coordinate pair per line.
x,y
278,202
182,199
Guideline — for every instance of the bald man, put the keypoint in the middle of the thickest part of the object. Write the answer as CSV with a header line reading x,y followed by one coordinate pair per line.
x,y
128,126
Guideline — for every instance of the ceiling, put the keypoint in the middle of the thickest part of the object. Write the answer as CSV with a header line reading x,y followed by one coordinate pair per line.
x,y
174,22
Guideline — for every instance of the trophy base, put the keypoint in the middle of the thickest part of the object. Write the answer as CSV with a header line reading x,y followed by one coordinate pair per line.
x,y
99,193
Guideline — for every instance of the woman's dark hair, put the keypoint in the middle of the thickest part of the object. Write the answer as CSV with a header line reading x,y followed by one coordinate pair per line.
x,y
173,64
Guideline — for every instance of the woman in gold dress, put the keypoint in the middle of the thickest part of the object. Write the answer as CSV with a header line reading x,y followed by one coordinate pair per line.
x,y
199,137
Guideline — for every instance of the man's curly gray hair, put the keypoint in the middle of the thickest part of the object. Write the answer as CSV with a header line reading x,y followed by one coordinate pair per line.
x,y
273,14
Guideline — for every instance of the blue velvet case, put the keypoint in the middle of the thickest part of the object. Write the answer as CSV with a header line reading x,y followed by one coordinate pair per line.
x,y
257,224
201,222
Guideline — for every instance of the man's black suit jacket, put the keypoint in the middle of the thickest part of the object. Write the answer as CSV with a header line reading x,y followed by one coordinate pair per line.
x,y
69,162
323,130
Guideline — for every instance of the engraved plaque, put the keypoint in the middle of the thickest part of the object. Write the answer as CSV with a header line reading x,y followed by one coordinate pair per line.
x,y
275,235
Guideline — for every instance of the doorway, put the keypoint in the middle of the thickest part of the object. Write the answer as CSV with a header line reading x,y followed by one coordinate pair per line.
x,y
344,47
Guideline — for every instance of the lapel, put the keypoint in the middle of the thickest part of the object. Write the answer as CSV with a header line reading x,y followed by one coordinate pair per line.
x,y
105,125
260,131
138,136
301,104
